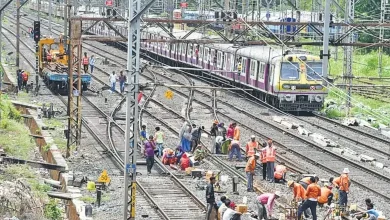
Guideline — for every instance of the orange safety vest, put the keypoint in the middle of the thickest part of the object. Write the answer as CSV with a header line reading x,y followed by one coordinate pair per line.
x,y
263,155
271,154
344,182
85,60
299,191
251,165
325,192
280,170
250,148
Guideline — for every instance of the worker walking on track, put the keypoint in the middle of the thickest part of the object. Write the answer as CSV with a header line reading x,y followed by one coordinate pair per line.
x,y
112,80
92,63
122,80
210,199
159,139
24,79
85,62
250,171
20,78
342,184
230,132
312,193
271,154
237,134
263,159
280,173
149,154
213,134
265,205
251,147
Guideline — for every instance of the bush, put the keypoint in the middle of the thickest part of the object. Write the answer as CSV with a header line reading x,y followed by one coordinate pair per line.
x,y
52,211
334,113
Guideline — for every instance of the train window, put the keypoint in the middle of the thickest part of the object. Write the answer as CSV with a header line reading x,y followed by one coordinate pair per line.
x,y
219,59
224,61
184,49
201,52
206,54
261,70
244,66
231,62
189,50
290,71
314,70
253,68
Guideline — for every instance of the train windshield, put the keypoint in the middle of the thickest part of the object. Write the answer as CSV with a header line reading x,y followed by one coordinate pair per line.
x,y
290,71
314,70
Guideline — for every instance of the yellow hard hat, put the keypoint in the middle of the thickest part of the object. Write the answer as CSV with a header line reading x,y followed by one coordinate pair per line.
x,y
290,183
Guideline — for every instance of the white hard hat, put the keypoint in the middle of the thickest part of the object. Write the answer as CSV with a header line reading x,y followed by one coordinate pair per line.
x,y
346,170
277,193
253,136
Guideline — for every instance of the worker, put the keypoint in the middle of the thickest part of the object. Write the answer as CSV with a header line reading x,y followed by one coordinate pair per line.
x,y
224,206
305,182
195,136
185,162
312,193
263,159
298,191
168,157
370,214
143,133
236,135
251,147
250,171
342,184
24,79
265,204
221,130
159,137
20,78
235,148
239,66
185,137
112,80
85,63
210,199
179,153
230,132
122,81
271,154
326,195
218,144
150,146
213,134
199,153
231,213
280,173
92,63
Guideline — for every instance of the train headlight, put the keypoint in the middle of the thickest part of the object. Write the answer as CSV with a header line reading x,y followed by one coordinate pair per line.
x,y
288,98
286,86
318,87
318,98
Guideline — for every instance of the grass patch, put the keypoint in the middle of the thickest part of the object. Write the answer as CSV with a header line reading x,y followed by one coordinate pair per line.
x,y
53,123
88,199
52,211
19,171
334,113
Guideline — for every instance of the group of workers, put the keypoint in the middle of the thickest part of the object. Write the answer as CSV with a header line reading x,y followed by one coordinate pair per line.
x,y
86,61
22,77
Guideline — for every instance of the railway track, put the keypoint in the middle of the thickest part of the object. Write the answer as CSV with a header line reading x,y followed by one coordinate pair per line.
x,y
215,110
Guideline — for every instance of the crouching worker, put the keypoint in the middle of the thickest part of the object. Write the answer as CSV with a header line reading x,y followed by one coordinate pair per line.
x,y
326,195
185,162
265,204
280,173
199,153
168,157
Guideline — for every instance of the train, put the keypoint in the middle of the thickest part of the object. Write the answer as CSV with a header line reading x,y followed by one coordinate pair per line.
x,y
53,66
289,79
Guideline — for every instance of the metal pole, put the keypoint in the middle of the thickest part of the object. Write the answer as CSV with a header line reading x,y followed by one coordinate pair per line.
x,y
381,35
131,135
50,9
325,59
1,47
39,10
66,12
17,33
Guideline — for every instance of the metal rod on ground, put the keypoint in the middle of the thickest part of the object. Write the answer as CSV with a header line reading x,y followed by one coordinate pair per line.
x,y
17,33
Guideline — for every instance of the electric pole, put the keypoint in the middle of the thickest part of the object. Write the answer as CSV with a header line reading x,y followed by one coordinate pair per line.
x,y
17,33
325,53
131,135
348,52
50,9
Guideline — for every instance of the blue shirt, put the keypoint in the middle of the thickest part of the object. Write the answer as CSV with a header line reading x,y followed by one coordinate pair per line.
x,y
373,212
143,134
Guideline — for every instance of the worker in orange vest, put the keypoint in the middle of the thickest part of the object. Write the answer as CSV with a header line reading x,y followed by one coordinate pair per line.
x,y
250,171
263,160
312,193
298,190
251,147
326,195
236,135
85,62
271,154
342,184
280,173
